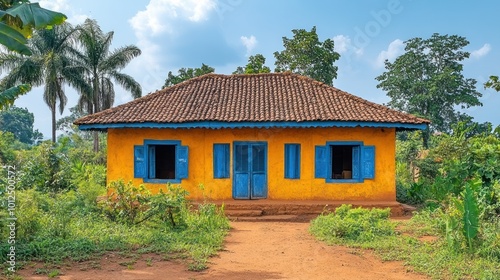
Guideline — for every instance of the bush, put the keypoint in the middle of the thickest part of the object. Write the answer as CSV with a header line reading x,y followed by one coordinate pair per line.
x,y
132,205
126,203
44,168
90,182
348,224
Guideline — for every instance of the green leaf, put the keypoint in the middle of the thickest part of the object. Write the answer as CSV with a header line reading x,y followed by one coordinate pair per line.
x,y
13,39
471,212
34,16
8,96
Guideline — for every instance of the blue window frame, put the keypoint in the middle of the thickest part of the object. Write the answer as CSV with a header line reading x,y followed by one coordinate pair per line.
x,y
221,158
292,161
161,161
345,162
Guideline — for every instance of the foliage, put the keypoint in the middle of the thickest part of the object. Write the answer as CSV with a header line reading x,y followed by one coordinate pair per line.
x,y
133,205
100,68
51,65
65,124
458,184
126,203
8,96
20,121
89,180
348,224
256,65
304,54
493,83
45,167
167,206
427,80
410,243
7,140
470,212
186,74
56,228
19,18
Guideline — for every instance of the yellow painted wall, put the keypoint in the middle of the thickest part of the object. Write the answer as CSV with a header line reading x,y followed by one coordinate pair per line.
x,y
200,143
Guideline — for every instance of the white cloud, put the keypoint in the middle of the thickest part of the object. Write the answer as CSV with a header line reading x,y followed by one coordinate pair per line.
x,y
55,5
159,14
249,43
484,50
343,45
63,7
161,17
394,50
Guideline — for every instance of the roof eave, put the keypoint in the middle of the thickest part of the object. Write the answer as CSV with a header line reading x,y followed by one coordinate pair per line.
x,y
283,124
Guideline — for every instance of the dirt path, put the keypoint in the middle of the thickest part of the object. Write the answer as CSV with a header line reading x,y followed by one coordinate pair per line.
x,y
256,250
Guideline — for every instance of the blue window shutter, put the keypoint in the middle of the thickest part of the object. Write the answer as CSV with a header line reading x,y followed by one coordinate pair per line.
x,y
320,162
368,162
292,161
356,162
182,162
221,160
139,164
152,161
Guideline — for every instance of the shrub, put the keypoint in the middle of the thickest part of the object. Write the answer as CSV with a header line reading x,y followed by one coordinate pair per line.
x,y
350,224
132,205
90,182
125,202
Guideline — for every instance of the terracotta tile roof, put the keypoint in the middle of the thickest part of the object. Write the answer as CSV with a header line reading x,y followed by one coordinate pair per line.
x,y
274,97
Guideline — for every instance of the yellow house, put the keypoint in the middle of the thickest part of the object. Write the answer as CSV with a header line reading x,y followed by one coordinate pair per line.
x,y
276,136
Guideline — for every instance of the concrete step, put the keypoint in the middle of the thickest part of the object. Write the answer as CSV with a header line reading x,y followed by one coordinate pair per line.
x,y
275,218
243,213
267,207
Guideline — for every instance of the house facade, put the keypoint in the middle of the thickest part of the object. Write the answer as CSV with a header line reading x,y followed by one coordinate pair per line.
x,y
267,136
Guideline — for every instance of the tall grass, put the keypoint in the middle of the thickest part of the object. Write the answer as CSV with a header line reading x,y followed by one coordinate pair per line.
x,y
64,227
403,241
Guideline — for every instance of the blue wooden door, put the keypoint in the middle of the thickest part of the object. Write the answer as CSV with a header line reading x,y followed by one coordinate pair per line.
x,y
250,170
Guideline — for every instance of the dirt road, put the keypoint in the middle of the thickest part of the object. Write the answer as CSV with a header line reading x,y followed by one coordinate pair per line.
x,y
255,250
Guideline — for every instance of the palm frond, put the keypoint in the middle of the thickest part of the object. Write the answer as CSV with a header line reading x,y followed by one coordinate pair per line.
x,y
128,83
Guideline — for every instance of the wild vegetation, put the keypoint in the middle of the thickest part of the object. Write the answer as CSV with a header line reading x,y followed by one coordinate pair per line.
x,y
452,176
64,214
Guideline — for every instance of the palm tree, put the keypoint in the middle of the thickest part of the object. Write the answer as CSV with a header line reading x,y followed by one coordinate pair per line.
x,y
50,65
102,67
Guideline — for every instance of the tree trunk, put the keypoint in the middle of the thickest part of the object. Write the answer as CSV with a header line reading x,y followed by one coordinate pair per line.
x,y
426,134
53,115
96,141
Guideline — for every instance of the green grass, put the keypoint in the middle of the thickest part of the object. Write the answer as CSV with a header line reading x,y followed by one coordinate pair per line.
x,y
434,258
89,235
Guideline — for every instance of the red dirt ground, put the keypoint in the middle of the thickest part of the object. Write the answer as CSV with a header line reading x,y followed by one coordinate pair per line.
x,y
253,251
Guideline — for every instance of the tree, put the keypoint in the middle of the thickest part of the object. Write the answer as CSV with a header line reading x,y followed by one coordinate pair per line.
x,y
186,74
65,124
493,83
17,21
51,65
255,66
19,121
427,81
101,67
306,55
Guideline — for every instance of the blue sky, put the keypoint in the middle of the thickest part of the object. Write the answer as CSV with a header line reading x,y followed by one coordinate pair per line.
x,y
223,33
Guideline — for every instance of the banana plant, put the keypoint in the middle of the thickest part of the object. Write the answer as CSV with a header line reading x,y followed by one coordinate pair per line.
x,y
471,211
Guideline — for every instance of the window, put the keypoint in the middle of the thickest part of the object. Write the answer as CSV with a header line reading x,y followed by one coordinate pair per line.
x,y
345,162
161,161
221,160
292,161
341,157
